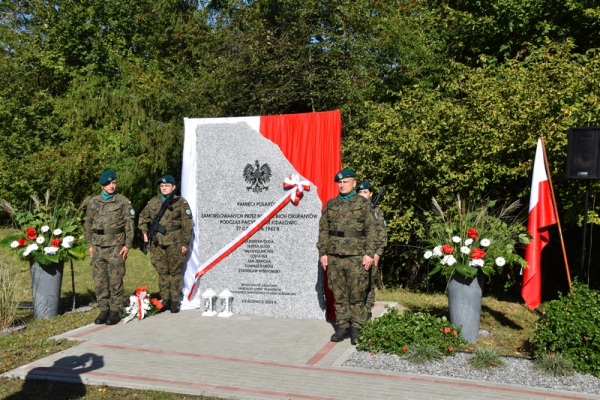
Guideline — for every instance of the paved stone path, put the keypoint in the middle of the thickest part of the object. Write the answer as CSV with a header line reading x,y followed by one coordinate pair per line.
x,y
245,357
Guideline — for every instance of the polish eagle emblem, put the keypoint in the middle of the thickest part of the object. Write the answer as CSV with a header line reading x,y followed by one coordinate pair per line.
x,y
257,177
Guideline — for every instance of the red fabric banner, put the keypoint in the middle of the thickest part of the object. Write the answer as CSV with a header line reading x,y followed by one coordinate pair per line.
x,y
541,216
312,144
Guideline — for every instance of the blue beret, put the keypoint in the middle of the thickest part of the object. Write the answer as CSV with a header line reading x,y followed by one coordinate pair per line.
x,y
364,185
165,179
345,173
107,176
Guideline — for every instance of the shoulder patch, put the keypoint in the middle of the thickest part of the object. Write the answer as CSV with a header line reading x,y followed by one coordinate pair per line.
x,y
188,211
132,211
376,216
384,222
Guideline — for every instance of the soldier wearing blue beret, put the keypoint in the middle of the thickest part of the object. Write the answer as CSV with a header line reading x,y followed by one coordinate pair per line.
x,y
347,243
366,190
109,228
174,236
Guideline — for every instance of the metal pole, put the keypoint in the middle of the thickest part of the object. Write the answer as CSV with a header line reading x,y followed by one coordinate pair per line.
x,y
585,213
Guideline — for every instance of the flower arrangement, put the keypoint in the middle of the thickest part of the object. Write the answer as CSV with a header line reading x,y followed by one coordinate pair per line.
x,y
47,234
476,241
141,305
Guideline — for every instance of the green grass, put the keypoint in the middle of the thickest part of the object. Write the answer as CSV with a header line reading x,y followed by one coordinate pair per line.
x,y
510,323
554,364
485,357
422,353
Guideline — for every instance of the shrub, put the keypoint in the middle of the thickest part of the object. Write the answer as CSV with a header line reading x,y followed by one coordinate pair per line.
x,y
554,364
571,326
9,291
396,334
485,357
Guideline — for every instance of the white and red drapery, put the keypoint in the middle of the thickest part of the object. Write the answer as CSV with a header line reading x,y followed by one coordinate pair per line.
x,y
311,143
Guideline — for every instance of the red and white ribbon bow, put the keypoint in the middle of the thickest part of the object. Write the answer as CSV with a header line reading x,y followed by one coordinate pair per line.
x,y
296,189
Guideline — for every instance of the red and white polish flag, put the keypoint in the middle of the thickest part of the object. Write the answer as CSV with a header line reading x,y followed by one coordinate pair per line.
x,y
541,216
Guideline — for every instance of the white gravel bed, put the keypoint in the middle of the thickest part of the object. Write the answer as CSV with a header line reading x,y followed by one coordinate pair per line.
x,y
518,371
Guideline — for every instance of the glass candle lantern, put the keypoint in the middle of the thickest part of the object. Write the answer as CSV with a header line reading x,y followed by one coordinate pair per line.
x,y
209,299
225,300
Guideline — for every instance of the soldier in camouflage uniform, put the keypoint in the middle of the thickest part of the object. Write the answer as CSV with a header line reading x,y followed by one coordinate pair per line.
x,y
169,255
366,190
109,228
347,242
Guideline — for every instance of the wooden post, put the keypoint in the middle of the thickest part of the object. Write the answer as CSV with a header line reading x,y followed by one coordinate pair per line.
x,y
562,242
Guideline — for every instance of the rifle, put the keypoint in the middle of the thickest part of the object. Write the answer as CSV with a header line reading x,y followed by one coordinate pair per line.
x,y
378,197
156,227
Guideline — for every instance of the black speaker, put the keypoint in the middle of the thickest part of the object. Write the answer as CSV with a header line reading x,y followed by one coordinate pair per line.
x,y
583,154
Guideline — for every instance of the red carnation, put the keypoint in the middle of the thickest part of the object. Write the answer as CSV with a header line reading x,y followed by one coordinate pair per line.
x,y
30,233
404,349
447,249
55,242
140,290
446,330
157,303
22,242
451,348
472,233
477,254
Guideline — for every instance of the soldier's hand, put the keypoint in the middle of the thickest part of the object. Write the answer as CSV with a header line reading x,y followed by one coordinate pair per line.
x,y
376,260
145,238
123,253
323,260
184,250
91,251
367,262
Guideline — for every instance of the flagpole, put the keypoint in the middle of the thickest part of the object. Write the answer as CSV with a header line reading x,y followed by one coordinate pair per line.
x,y
562,241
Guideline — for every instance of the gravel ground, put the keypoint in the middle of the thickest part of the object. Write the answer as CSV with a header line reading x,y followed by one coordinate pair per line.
x,y
516,371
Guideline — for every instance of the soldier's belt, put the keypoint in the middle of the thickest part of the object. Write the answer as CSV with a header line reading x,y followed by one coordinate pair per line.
x,y
353,234
108,231
173,228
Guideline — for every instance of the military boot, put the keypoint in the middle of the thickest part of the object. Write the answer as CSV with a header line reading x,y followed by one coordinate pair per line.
x,y
340,334
174,306
166,305
102,317
354,334
113,318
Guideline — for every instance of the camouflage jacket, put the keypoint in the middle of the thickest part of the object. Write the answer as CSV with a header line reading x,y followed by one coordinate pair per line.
x,y
382,238
114,213
352,215
180,216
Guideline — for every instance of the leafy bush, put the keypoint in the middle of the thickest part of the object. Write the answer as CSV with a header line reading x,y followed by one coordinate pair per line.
x,y
554,364
485,357
571,326
422,353
395,334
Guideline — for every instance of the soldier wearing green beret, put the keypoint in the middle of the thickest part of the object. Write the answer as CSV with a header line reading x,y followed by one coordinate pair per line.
x,y
366,190
109,228
168,256
347,243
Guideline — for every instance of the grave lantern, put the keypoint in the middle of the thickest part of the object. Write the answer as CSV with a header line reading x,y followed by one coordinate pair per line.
x,y
225,299
209,298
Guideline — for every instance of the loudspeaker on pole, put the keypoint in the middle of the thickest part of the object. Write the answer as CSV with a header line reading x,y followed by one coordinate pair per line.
x,y
583,154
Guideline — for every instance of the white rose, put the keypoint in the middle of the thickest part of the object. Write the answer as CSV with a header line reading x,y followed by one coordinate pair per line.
x,y
500,261
67,242
468,242
57,232
485,242
427,254
437,251
45,228
456,239
465,250
40,240
50,250
451,260
14,245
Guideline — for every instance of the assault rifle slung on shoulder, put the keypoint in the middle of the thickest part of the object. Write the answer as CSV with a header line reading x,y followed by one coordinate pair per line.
x,y
156,227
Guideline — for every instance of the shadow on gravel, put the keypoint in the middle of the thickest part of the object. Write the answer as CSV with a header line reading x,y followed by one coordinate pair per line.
x,y
501,318
71,385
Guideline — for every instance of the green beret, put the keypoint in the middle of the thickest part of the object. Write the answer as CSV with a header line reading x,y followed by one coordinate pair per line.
x,y
345,173
107,177
165,179
364,185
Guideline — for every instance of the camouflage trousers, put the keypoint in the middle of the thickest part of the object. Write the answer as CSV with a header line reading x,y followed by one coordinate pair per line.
x,y
374,271
168,261
348,281
108,270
